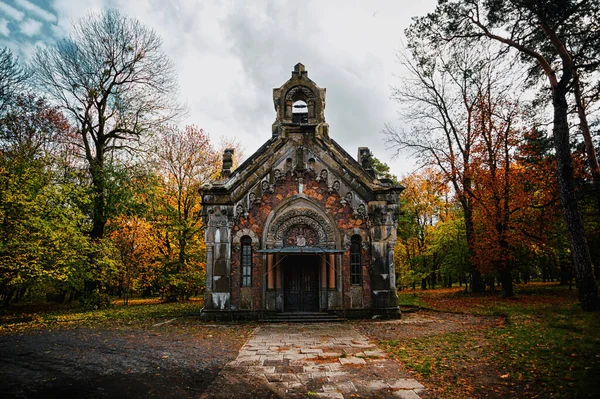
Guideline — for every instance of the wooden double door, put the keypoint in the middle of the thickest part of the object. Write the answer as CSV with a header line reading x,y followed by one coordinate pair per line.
x,y
301,283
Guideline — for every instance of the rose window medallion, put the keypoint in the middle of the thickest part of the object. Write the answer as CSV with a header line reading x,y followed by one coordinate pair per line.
x,y
300,236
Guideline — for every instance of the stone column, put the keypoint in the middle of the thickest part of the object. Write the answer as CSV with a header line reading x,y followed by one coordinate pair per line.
x,y
331,271
210,247
218,262
323,267
278,276
278,283
382,228
270,272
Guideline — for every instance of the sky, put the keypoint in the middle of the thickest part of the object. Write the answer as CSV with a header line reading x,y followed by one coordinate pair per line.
x,y
229,55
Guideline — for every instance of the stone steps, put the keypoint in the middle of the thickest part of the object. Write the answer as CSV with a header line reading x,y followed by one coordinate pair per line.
x,y
303,317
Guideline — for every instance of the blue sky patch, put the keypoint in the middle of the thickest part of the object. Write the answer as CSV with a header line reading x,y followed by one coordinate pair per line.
x,y
26,22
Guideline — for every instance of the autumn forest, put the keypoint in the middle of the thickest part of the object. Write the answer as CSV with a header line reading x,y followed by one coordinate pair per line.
x,y
100,197
102,252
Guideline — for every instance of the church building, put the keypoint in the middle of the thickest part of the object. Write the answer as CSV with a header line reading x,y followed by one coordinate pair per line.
x,y
300,226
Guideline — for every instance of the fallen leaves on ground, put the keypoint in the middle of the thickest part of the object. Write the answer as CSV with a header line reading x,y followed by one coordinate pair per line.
x,y
539,344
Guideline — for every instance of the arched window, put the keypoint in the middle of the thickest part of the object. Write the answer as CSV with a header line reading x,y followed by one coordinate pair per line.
x,y
355,260
300,112
246,242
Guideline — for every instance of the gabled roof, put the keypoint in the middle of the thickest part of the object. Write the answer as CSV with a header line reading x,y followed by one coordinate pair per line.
x,y
311,135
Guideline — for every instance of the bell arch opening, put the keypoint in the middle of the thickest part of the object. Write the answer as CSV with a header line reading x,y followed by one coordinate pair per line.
x,y
300,112
300,104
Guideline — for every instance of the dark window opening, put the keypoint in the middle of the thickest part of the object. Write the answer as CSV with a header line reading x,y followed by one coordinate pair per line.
x,y
246,261
300,112
355,260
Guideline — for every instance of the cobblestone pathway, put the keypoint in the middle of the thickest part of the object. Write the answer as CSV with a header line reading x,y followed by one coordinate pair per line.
x,y
312,360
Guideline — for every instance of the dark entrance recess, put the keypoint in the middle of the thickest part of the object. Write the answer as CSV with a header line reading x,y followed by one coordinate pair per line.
x,y
301,283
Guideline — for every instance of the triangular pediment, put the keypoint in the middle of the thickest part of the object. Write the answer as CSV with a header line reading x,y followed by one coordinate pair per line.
x,y
284,155
300,146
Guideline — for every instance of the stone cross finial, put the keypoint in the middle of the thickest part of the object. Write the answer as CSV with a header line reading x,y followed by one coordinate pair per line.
x,y
299,69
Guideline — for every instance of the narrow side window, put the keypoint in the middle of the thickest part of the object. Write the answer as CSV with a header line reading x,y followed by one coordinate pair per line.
x,y
246,242
355,260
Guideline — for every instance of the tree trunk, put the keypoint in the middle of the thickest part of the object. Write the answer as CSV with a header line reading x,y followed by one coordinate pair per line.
x,y
505,277
99,203
477,283
582,263
182,250
587,138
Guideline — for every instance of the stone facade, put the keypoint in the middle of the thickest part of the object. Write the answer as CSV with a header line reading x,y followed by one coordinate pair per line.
x,y
300,225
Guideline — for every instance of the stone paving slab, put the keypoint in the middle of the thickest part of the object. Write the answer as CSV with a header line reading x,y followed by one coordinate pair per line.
x,y
320,360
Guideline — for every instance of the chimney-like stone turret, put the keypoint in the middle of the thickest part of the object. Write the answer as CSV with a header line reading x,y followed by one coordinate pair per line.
x,y
227,162
365,158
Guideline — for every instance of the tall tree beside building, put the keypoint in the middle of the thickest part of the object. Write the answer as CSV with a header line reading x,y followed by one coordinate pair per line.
x,y
41,244
440,99
544,33
115,84
186,160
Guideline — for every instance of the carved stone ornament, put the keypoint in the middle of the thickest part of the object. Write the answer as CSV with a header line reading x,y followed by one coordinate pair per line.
x,y
266,187
218,218
300,236
305,217
253,199
335,187
277,175
294,90
240,212
322,176
360,212
347,200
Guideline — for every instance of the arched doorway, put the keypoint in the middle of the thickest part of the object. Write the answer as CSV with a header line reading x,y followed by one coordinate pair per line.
x,y
301,271
301,244
301,283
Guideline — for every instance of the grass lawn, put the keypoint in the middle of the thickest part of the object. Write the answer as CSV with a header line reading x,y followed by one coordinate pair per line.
x,y
139,312
546,346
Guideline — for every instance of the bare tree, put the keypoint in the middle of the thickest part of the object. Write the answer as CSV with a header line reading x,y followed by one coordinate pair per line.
x,y
12,78
440,99
115,84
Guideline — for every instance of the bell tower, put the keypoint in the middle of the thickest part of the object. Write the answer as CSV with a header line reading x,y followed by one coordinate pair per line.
x,y
300,106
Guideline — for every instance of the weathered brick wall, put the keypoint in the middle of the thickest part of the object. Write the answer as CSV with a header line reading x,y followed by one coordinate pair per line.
x,y
318,191
366,278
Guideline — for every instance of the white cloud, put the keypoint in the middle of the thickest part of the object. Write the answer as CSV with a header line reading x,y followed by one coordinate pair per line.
x,y
58,31
230,55
4,30
11,11
38,11
69,11
31,27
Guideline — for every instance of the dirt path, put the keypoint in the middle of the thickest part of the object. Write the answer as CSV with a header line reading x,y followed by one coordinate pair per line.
x,y
134,363
424,324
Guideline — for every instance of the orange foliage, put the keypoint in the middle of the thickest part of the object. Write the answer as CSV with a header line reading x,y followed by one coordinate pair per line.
x,y
511,194
138,253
